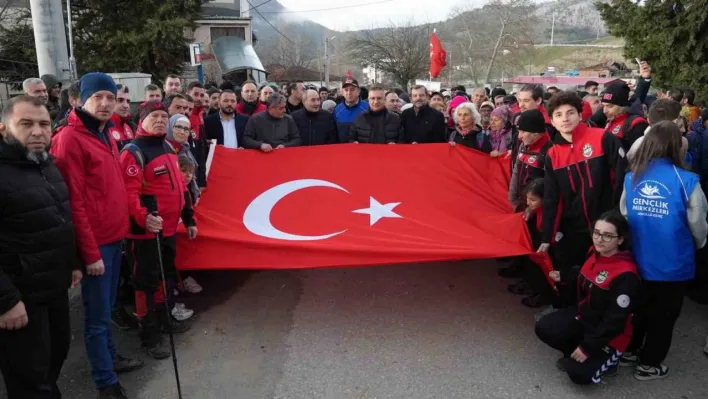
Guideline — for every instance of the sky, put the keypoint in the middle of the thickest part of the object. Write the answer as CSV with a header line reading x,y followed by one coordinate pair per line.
x,y
374,13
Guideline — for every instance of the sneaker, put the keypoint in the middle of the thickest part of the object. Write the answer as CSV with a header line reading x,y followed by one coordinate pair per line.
x,y
114,391
521,288
648,373
158,351
190,285
534,301
123,320
628,359
175,292
124,364
181,313
612,371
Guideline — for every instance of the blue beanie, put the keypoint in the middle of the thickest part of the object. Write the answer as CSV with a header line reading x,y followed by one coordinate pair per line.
x,y
94,82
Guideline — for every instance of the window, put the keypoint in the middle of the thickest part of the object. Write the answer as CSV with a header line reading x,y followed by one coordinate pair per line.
x,y
217,32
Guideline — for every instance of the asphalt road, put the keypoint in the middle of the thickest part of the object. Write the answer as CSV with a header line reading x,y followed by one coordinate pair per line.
x,y
440,330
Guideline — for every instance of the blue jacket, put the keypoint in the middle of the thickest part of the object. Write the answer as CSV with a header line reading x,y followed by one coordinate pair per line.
x,y
657,211
698,148
345,115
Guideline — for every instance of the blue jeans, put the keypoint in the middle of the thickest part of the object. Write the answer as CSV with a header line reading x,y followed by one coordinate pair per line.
x,y
99,296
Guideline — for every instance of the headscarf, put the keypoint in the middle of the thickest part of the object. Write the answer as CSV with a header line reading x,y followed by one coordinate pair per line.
x,y
171,138
500,139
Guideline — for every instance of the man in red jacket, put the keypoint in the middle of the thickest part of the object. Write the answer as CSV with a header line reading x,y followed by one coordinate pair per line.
x,y
122,130
87,156
157,198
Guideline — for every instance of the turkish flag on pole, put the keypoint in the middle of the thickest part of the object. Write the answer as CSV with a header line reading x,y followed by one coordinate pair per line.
x,y
353,204
438,56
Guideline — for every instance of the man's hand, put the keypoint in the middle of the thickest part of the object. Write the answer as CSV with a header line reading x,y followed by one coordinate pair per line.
x,y
555,276
494,154
266,147
356,142
201,189
192,232
452,144
544,247
15,318
280,147
644,70
578,355
240,148
415,142
96,268
391,142
76,277
153,224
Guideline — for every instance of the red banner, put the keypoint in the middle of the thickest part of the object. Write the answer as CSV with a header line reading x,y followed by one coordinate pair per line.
x,y
350,205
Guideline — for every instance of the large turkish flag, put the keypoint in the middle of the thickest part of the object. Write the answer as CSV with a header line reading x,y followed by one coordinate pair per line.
x,y
353,204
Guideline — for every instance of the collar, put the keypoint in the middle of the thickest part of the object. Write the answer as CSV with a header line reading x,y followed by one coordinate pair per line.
x,y
353,105
577,134
221,116
536,145
88,121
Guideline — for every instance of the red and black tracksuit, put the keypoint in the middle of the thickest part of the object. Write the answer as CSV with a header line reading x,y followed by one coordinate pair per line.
x,y
531,162
627,128
601,324
154,184
516,141
198,144
583,179
122,131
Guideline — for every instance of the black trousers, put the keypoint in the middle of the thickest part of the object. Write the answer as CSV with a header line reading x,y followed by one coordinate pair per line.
x,y
536,278
560,330
126,292
31,357
568,258
657,309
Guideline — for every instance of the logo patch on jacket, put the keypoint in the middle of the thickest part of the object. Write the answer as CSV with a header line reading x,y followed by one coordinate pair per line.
x,y
532,159
132,171
601,277
616,129
587,150
116,135
160,170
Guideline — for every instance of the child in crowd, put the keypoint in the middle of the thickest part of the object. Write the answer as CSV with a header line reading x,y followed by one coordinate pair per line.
x,y
593,335
666,209
188,168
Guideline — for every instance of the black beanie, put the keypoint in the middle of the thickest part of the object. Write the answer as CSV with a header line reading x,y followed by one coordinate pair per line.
x,y
531,121
617,94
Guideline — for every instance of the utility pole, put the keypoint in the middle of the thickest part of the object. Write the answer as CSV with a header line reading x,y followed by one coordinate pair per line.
x,y
599,21
50,38
326,59
553,26
73,74
449,83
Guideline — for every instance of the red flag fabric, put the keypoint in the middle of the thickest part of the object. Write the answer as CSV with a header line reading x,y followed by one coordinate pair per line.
x,y
438,56
353,204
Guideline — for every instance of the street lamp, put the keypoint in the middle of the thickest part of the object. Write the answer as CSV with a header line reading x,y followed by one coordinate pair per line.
x,y
326,59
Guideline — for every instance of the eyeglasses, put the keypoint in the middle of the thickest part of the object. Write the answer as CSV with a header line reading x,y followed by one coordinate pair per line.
x,y
604,237
182,128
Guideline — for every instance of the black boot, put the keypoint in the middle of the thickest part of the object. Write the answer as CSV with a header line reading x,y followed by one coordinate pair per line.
x,y
166,323
114,391
151,339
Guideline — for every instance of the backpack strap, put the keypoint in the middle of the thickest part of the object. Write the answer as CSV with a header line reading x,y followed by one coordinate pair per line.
x,y
137,153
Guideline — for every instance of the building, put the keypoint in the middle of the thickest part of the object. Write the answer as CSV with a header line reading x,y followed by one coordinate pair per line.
x,y
561,82
281,74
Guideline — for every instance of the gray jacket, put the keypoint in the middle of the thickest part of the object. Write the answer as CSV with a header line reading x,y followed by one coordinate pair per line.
x,y
263,128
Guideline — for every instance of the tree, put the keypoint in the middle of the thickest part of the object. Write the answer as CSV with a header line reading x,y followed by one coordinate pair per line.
x,y
133,35
671,35
293,50
18,59
401,51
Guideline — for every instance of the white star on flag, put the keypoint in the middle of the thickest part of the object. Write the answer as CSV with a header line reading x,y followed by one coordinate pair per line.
x,y
376,211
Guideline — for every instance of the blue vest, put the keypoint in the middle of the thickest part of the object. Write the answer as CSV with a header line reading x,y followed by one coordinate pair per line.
x,y
656,210
344,116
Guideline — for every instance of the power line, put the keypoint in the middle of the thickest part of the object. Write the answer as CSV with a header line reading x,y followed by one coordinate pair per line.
x,y
18,62
253,8
329,9
268,22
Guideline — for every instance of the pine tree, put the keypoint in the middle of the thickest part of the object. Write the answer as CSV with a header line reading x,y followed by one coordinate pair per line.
x,y
133,35
671,35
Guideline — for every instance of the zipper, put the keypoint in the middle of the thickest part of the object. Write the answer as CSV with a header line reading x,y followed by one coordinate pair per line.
x,y
54,194
169,174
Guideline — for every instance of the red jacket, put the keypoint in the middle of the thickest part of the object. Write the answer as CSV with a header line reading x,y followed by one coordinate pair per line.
x,y
88,160
197,122
260,108
121,131
156,185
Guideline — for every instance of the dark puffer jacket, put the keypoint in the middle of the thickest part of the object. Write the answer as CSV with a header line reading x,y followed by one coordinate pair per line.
x,y
37,241
316,128
381,127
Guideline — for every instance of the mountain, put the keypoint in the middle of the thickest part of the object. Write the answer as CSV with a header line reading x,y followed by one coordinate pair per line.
x,y
576,21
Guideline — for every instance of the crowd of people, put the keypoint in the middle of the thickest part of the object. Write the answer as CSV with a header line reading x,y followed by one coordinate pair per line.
x,y
610,185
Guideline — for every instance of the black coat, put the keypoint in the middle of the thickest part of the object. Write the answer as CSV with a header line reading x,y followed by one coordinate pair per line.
x,y
316,128
470,140
361,128
427,126
37,239
214,130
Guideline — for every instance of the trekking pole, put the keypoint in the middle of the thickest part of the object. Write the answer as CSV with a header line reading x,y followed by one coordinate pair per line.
x,y
167,310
